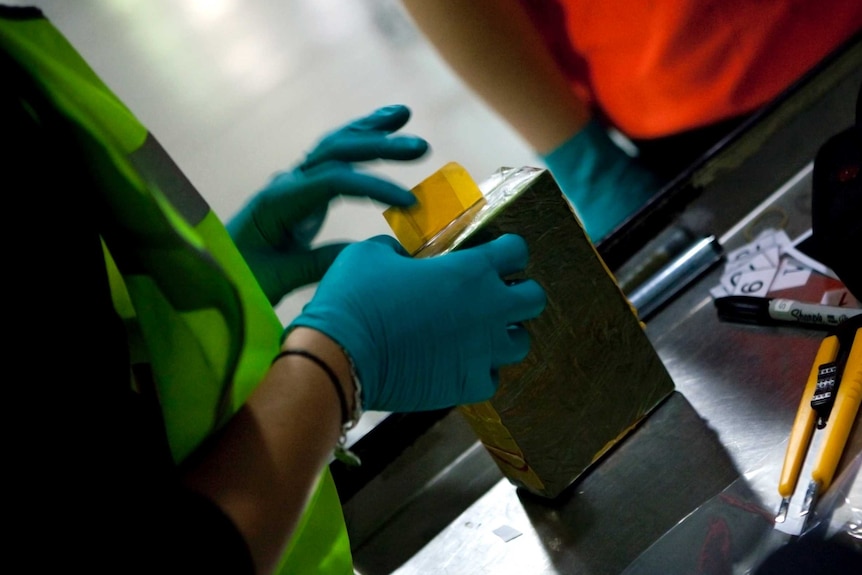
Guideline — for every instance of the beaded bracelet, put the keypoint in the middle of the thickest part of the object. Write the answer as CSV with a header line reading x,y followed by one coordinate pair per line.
x,y
348,420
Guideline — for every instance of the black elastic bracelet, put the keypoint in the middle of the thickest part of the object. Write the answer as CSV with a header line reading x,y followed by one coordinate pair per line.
x,y
345,412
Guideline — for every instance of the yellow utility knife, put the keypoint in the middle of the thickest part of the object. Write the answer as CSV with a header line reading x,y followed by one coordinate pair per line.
x,y
830,402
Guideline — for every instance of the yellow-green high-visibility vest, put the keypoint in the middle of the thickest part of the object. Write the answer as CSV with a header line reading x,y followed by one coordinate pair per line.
x,y
192,307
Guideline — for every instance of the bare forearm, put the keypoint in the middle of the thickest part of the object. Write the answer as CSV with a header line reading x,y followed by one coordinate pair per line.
x,y
495,49
265,464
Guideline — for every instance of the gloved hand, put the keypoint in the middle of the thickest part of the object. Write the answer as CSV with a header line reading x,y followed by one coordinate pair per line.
x,y
426,333
274,230
601,181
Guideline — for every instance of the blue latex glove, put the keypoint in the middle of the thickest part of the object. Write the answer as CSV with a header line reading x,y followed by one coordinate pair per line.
x,y
601,181
274,230
426,333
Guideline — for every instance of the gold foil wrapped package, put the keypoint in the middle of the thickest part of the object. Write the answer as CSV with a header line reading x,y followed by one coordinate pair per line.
x,y
591,374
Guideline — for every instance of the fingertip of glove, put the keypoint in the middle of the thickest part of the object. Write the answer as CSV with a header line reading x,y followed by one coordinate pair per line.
x,y
520,339
411,200
512,242
392,110
535,294
509,253
411,143
389,117
482,390
403,199
403,147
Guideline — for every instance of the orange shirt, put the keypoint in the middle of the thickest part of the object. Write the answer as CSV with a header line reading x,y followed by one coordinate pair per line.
x,y
659,67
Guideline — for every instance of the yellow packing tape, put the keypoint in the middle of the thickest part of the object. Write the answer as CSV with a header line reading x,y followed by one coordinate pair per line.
x,y
441,197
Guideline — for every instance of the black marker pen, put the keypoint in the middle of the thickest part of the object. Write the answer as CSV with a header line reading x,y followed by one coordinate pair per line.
x,y
770,311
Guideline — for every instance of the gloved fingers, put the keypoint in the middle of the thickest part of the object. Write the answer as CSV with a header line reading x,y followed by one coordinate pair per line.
x,y
289,200
366,139
387,118
305,230
362,147
515,347
314,264
279,273
331,179
526,300
507,254
481,388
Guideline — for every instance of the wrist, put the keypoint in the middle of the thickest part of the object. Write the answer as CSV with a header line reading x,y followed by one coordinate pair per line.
x,y
564,131
351,337
590,139
332,355
328,355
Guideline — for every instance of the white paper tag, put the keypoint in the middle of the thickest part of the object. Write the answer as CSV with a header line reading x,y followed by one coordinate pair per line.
x,y
754,283
791,273
839,298
506,533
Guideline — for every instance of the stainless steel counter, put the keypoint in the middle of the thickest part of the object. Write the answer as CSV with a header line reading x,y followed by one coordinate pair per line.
x,y
718,442
694,484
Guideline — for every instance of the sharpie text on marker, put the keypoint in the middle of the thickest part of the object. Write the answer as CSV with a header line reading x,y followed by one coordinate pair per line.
x,y
790,310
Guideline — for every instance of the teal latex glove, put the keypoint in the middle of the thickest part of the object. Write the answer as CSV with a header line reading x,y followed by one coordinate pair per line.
x,y
426,333
274,230
601,181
